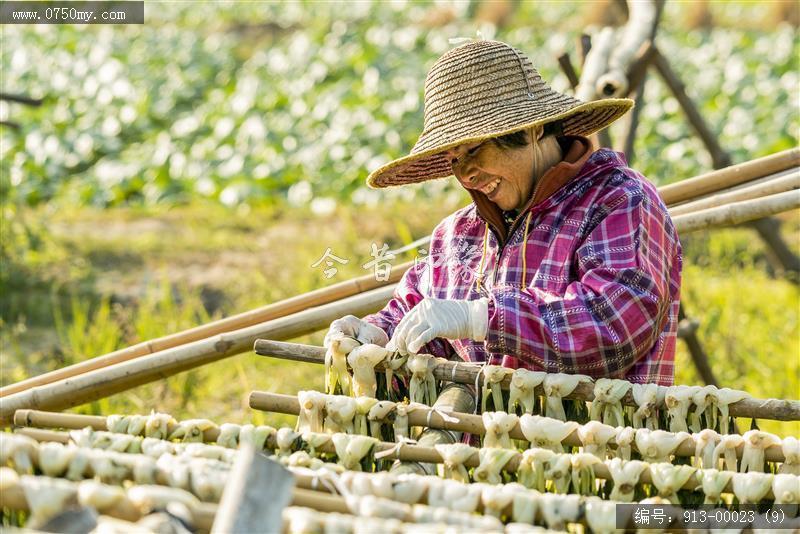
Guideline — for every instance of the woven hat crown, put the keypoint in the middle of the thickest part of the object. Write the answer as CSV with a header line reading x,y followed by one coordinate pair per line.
x,y
487,89
485,79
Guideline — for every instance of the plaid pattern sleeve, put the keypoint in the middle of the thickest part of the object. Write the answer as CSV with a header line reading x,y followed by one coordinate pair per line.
x,y
407,295
617,315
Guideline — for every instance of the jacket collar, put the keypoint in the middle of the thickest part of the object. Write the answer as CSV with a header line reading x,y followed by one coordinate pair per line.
x,y
577,150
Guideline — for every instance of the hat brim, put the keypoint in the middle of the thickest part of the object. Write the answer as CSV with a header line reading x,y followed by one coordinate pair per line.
x,y
585,118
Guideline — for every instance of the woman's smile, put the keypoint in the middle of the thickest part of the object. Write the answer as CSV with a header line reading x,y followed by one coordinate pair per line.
x,y
489,188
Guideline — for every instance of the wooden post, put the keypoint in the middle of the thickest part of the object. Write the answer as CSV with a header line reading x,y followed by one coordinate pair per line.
x,y
257,491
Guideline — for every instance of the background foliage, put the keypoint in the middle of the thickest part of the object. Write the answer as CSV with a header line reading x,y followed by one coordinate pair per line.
x,y
197,165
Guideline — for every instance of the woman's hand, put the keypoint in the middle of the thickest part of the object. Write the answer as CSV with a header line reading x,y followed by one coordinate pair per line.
x,y
432,318
357,329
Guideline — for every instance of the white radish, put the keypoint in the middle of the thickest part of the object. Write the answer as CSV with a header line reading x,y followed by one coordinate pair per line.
x,y
352,449
498,425
545,432
523,390
750,488
670,478
646,398
556,387
312,406
595,437
607,403
363,360
454,455
658,445
726,449
755,443
713,483
492,376
492,462
625,476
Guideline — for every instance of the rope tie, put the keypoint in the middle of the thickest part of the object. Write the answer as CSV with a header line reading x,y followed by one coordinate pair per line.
x,y
396,449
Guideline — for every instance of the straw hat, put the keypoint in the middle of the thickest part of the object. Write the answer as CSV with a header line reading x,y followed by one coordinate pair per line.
x,y
487,89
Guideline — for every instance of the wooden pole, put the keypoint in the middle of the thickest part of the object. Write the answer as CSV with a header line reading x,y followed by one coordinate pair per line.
x,y
13,498
737,212
43,419
102,383
464,422
467,373
778,183
407,453
718,180
276,310
243,508
678,89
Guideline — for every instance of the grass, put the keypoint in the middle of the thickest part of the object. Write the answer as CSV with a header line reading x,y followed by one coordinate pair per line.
x,y
147,273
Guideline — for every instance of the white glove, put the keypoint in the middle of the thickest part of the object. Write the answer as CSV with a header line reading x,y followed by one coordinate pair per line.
x,y
358,329
432,318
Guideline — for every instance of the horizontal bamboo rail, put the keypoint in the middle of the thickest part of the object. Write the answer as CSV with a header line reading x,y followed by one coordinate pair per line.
x,y
776,183
737,212
464,422
733,175
43,419
686,190
202,515
269,312
404,453
104,382
468,373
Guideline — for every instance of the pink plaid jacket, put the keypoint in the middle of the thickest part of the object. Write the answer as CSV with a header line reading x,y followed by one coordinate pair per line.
x,y
586,280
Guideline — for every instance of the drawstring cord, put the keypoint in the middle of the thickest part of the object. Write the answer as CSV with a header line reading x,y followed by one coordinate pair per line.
x,y
481,273
525,250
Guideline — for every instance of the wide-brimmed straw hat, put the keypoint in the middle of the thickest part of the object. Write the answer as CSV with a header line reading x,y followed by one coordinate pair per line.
x,y
486,89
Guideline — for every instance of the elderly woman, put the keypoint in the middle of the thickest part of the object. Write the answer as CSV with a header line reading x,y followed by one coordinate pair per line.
x,y
565,261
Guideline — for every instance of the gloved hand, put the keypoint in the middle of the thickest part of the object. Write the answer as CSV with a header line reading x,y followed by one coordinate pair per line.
x,y
432,318
358,329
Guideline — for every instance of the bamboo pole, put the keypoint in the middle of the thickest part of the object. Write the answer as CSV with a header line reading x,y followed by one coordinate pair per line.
x,y
43,419
777,183
468,373
202,516
104,382
717,180
404,453
737,212
465,422
259,315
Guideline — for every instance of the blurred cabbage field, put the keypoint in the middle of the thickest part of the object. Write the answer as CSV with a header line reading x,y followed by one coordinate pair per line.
x,y
264,103
197,165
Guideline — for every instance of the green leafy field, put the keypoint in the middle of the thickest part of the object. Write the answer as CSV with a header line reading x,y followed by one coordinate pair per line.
x,y
183,171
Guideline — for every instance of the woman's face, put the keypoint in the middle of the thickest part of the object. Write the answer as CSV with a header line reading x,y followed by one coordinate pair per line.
x,y
504,175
